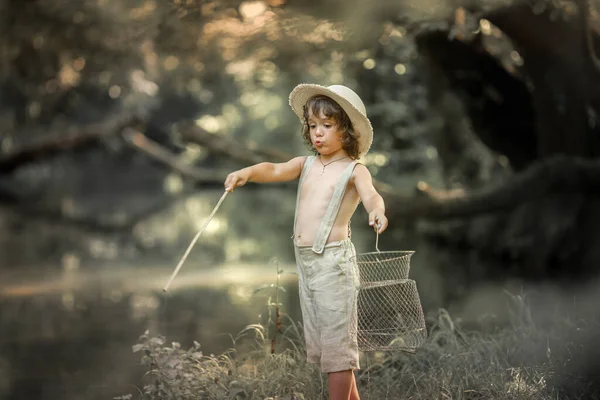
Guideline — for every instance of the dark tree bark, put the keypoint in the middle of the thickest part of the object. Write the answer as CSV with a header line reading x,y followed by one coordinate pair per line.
x,y
565,81
543,116
498,104
549,106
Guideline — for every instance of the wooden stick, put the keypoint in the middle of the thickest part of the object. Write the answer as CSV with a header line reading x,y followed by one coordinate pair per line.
x,y
210,217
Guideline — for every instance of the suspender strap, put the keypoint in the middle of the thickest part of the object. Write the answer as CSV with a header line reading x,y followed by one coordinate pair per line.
x,y
332,209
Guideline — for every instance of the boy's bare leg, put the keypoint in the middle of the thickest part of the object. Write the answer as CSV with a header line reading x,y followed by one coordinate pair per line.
x,y
354,392
342,386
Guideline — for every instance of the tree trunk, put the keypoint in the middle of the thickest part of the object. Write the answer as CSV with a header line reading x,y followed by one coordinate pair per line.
x,y
550,107
497,103
546,108
564,79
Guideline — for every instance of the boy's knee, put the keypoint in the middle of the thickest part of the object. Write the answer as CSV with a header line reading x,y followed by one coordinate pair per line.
x,y
343,373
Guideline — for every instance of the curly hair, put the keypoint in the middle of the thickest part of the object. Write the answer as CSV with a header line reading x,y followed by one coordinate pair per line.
x,y
323,104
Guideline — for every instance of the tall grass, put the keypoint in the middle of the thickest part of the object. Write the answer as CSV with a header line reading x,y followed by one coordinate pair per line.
x,y
520,361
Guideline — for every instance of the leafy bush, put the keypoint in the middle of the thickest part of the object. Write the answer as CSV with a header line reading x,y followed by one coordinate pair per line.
x,y
257,374
517,362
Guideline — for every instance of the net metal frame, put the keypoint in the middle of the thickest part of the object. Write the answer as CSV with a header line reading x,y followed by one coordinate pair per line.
x,y
390,315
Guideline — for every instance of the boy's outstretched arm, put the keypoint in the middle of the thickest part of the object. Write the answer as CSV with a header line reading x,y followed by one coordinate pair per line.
x,y
372,201
265,172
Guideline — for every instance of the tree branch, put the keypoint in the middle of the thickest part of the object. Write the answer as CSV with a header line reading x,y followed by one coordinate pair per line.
x,y
142,143
247,153
59,219
558,174
60,140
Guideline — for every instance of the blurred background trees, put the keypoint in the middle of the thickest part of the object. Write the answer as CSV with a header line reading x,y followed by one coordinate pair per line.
x,y
485,111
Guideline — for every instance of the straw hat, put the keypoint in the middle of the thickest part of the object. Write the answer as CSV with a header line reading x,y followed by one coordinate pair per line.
x,y
347,99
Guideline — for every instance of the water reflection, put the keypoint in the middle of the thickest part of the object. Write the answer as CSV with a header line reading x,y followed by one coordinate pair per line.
x,y
67,329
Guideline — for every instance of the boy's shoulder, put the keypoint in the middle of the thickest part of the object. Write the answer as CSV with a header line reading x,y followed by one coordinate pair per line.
x,y
304,159
358,166
360,171
301,159
298,162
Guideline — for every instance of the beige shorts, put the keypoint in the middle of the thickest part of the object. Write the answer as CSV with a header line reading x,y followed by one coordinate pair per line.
x,y
328,286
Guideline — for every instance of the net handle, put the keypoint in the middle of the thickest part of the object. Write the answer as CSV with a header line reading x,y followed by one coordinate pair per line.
x,y
377,241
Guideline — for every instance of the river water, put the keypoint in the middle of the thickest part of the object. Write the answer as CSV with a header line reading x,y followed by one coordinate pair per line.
x,y
67,326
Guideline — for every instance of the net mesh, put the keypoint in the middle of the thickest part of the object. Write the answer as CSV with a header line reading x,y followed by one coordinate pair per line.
x,y
390,316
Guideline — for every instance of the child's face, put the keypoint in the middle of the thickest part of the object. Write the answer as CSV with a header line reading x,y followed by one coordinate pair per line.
x,y
324,133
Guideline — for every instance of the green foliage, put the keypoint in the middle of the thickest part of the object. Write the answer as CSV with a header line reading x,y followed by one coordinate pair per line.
x,y
256,374
521,361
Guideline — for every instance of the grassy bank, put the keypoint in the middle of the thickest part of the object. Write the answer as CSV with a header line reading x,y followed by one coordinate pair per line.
x,y
522,360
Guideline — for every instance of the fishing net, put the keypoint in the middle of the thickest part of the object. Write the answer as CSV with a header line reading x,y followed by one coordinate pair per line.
x,y
390,316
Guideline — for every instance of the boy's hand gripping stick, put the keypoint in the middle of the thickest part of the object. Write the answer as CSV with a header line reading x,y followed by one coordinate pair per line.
x,y
210,217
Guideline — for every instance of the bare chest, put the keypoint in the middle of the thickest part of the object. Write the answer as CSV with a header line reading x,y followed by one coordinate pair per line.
x,y
319,186
316,195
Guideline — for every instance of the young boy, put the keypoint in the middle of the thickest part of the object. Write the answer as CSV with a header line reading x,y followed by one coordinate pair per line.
x,y
330,188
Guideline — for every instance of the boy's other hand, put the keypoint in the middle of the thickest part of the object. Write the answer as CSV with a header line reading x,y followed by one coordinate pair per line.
x,y
378,221
235,179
